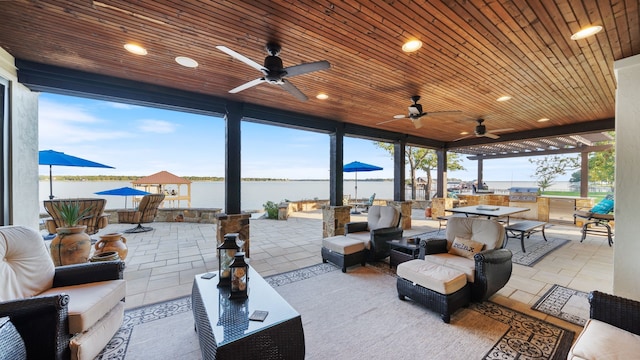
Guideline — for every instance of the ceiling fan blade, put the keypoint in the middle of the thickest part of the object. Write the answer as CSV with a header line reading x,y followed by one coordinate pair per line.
x,y
306,68
247,85
417,123
501,130
451,112
490,135
293,90
240,57
388,121
400,117
462,138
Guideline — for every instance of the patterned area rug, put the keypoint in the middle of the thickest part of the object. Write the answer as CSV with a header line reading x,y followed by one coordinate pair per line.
x,y
565,303
536,248
523,337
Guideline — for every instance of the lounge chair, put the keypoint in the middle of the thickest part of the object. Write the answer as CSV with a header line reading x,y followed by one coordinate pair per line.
x,y
597,218
145,213
365,204
383,223
95,220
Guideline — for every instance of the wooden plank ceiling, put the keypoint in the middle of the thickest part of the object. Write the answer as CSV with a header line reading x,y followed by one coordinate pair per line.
x,y
474,51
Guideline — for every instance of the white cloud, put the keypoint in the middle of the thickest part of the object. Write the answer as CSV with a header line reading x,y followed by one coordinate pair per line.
x,y
156,126
71,124
121,106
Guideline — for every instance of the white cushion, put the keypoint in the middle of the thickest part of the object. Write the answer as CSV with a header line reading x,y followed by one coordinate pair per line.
x,y
440,279
362,236
599,340
26,268
460,263
489,232
343,245
382,217
89,302
87,345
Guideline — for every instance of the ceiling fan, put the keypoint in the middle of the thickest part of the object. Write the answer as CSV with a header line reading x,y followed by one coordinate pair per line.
x,y
273,71
416,113
481,130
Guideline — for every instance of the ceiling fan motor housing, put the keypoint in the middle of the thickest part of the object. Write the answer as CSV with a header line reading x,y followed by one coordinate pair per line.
x,y
481,129
275,70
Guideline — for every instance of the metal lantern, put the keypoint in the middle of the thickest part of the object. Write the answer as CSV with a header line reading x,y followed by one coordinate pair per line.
x,y
226,252
239,277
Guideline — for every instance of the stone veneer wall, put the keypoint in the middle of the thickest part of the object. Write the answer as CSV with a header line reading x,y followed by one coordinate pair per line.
x,y
405,211
333,220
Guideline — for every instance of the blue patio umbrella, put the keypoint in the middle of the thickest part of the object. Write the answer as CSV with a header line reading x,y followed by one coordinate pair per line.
x,y
50,157
356,167
123,191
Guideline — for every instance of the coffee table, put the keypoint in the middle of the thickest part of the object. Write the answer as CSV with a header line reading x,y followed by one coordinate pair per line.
x,y
402,250
225,331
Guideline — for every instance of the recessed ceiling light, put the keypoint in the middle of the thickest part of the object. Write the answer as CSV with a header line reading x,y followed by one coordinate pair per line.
x,y
135,49
504,98
544,120
412,45
186,61
322,96
586,32
464,133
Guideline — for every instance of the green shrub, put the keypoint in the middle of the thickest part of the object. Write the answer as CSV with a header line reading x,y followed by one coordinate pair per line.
x,y
271,209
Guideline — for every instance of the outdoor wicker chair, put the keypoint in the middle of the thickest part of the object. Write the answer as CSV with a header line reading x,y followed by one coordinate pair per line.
x,y
611,331
383,223
488,270
145,213
60,312
95,219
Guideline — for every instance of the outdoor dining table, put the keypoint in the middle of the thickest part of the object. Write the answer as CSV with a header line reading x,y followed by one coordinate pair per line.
x,y
489,211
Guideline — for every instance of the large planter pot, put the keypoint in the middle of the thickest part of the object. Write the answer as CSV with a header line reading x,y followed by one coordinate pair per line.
x,y
71,245
112,242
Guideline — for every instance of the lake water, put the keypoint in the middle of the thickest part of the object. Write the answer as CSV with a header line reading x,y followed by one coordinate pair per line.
x,y
210,194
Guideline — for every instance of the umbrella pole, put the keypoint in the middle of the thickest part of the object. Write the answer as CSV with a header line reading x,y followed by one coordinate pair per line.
x,y
356,186
50,184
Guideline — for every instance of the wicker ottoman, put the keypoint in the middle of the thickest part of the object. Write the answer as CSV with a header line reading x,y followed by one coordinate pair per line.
x,y
343,251
437,287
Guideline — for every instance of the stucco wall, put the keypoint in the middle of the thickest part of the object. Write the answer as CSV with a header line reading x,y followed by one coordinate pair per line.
x,y
627,242
23,118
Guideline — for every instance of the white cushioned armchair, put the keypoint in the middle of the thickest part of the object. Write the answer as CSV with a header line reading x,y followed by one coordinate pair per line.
x,y
65,312
487,270
383,223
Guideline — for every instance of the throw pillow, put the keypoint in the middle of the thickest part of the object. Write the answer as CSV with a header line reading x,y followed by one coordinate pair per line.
x,y
465,247
603,207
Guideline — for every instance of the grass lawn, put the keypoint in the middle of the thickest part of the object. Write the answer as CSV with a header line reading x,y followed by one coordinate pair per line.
x,y
597,196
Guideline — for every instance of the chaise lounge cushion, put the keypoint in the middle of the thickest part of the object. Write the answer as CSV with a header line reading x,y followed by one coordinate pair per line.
x,y
90,302
599,340
22,270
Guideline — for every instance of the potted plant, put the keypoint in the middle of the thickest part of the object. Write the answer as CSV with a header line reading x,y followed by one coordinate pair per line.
x,y
71,245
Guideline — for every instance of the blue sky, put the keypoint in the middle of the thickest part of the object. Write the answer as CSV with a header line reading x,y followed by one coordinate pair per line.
x,y
141,141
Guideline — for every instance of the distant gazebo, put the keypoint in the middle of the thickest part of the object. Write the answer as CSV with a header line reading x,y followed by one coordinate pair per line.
x,y
165,183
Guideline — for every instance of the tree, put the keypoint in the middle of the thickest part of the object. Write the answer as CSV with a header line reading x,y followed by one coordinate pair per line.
x,y
602,167
425,160
549,167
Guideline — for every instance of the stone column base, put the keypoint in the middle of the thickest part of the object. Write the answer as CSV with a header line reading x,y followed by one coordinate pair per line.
x,y
333,220
234,223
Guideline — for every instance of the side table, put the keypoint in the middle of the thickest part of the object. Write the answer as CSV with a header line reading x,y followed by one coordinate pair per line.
x,y
403,250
